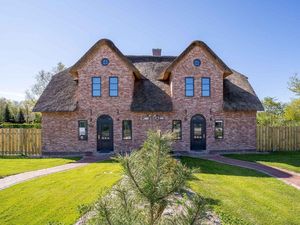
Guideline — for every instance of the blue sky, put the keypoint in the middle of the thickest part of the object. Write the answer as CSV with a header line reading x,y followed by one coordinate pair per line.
x,y
261,39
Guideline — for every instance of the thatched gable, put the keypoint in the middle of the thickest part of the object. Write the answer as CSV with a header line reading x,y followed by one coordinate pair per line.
x,y
226,70
150,94
93,50
59,95
239,95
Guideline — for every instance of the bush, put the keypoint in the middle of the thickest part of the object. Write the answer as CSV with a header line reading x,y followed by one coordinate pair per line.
x,y
147,193
21,125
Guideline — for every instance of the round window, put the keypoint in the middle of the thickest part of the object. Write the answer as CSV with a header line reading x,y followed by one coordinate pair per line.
x,y
105,61
197,62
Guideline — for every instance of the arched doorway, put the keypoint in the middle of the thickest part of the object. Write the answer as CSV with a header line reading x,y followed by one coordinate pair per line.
x,y
105,134
198,133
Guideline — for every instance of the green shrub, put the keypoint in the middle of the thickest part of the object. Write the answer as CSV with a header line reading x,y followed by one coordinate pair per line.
x,y
20,125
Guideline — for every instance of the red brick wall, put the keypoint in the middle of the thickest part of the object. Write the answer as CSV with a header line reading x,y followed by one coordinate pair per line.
x,y
60,130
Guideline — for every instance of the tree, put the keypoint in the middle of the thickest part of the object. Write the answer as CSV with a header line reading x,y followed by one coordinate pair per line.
x,y
42,79
292,111
3,103
294,84
273,114
272,106
7,117
151,178
20,117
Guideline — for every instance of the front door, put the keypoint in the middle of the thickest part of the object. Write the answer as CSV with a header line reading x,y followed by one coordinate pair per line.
x,y
198,133
105,134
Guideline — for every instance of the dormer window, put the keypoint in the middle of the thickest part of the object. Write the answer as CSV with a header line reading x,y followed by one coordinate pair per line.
x,y
105,61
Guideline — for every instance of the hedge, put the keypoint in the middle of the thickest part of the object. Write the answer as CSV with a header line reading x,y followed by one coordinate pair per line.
x,y
20,125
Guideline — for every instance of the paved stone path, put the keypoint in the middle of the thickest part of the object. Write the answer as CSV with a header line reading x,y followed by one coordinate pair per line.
x,y
286,176
21,177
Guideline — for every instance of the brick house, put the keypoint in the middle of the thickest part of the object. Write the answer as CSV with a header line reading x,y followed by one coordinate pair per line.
x,y
108,101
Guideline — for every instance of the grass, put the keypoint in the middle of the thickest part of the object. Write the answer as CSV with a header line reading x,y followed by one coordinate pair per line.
x,y
54,199
243,196
15,165
285,160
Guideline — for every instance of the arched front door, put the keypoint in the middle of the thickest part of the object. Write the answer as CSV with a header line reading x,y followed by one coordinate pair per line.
x,y
105,133
198,133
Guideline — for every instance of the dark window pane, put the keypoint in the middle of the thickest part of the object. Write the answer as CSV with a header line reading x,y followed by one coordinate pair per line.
x,y
219,129
82,130
105,131
127,130
197,131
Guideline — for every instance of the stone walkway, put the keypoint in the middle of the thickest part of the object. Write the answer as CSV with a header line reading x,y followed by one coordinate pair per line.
x,y
21,177
288,177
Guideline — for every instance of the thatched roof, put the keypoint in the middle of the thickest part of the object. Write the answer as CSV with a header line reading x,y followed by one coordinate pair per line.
x,y
150,94
151,90
167,72
239,95
59,95
93,50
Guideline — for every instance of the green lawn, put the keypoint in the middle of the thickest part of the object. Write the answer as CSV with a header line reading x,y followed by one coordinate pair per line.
x,y
55,198
284,160
243,196
11,165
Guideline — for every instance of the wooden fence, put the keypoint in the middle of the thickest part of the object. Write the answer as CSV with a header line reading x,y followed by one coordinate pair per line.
x,y
20,141
278,138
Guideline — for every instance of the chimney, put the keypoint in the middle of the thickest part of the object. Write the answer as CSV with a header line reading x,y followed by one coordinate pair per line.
x,y
156,52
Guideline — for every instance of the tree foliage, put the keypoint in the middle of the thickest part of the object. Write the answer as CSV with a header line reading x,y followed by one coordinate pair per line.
x,y
20,117
273,114
292,111
7,117
41,81
151,178
294,84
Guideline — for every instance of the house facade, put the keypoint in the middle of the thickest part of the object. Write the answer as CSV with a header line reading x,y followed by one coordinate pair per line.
x,y
108,102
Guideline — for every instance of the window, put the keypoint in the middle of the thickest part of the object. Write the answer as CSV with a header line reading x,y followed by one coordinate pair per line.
x,y
96,86
176,129
219,129
105,61
113,86
126,130
197,62
82,130
205,88
189,86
